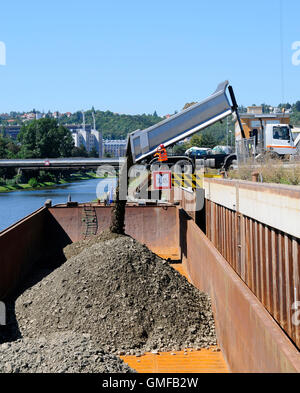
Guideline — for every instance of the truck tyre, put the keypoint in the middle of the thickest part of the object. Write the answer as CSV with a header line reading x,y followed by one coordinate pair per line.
x,y
228,163
183,166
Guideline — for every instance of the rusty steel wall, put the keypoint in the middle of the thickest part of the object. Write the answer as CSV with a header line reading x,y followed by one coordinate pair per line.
x,y
266,259
22,245
249,337
193,202
155,226
41,237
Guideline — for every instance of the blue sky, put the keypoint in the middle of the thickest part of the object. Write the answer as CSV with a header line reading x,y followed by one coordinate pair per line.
x,y
139,56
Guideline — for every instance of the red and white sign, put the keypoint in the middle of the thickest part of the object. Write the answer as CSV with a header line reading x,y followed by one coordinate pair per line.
x,y
162,180
47,163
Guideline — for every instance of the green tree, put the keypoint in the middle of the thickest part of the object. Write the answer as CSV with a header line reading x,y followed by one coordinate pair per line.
x,y
196,141
93,152
45,138
79,151
114,125
8,148
33,182
297,106
208,140
205,139
180,149
3,151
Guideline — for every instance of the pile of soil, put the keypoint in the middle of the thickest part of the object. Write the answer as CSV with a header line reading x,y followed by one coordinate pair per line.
x,y
60,353
76,248
128,299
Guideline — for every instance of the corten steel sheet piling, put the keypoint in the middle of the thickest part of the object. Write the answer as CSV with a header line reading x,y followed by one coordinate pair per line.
x,y
265,257
22,245
249,337
155,226
41,236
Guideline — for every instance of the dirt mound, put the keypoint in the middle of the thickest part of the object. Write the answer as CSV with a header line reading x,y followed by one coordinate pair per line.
x,y
76,248
126,297
60,353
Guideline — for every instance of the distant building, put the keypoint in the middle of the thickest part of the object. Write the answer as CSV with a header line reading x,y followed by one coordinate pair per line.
x,y
87,137
29,116
11,131
115,148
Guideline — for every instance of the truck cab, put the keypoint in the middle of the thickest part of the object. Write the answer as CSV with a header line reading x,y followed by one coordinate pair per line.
x,y
279,139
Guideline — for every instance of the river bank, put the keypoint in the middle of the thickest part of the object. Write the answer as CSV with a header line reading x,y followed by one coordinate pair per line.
x,y
48,184
14,206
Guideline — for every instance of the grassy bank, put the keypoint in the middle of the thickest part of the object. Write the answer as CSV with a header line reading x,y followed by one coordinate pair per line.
x,y
49,184
271,171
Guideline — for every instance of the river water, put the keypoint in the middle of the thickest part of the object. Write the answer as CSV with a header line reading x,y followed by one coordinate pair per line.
x,y
18,204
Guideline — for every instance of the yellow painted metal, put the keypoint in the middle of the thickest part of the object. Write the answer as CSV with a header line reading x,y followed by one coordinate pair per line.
x,y
193,181
188,361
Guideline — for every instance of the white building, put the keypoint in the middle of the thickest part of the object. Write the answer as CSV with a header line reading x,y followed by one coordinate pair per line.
x,y
115,148
88,137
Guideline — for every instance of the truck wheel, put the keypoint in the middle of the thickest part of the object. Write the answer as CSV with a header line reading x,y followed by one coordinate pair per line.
x,y
228,165
183,166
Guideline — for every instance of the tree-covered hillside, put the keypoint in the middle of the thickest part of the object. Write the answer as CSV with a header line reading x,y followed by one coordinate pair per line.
x,y
114,125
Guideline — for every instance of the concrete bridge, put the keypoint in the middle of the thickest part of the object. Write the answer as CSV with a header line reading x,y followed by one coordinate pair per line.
x,y
60,163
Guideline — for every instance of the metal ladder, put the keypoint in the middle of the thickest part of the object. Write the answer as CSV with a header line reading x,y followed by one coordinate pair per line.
x,y
90,220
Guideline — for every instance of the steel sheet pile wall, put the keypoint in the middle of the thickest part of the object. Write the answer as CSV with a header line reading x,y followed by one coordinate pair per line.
x,y
266,258
155,226
249,337
22,245
192,202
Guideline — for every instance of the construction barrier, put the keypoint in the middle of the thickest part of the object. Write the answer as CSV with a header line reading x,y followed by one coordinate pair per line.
x,y
189,180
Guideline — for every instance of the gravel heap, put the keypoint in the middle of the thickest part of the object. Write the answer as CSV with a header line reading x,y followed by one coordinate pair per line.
x,y
60,353
128,299
76,248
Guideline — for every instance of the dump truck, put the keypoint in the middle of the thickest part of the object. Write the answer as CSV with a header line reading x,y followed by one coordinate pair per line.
x,y
275,138
143,144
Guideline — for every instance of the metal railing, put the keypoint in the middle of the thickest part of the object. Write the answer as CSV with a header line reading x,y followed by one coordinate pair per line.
x,y
246,151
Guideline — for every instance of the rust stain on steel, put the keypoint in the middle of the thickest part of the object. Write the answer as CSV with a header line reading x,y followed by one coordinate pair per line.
x,y
155,226
43,235
265,258
22,244
249,337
